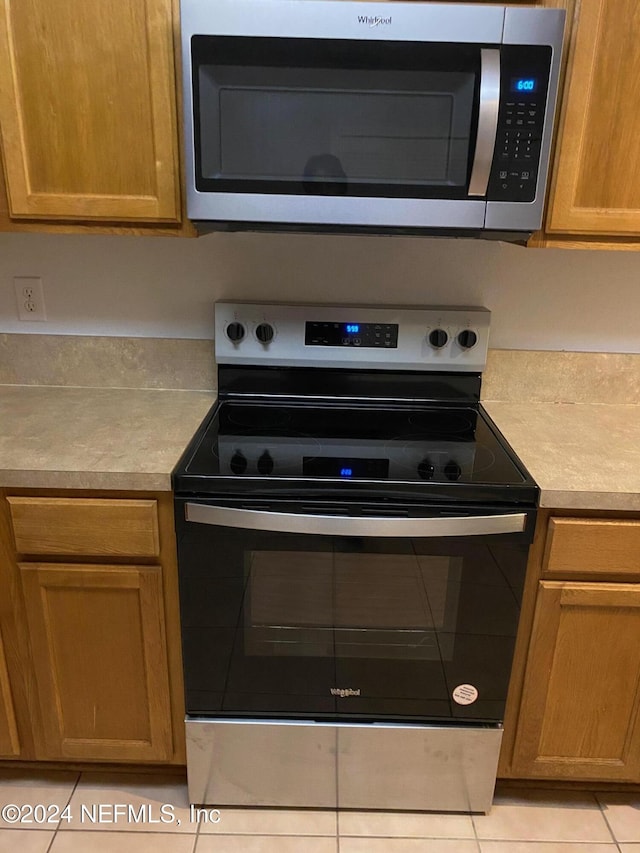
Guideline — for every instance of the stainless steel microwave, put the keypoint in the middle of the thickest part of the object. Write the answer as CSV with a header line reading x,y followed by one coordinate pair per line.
x,y
333,115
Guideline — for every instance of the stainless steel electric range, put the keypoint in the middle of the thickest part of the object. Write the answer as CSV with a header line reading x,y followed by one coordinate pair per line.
x,y
352,539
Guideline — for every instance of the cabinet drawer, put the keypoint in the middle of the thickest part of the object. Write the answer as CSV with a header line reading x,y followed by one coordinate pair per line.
x,y
85,526
592,546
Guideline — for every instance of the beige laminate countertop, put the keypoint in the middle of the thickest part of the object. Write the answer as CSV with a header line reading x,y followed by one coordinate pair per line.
x,y
95,438
583,456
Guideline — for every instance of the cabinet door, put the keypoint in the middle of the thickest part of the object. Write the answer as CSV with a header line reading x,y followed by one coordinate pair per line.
x,y
9,743
99,654
88,110
4,204
596,186
579,713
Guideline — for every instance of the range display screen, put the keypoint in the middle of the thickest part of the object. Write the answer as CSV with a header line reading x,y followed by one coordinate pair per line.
x,y
346,469
352,334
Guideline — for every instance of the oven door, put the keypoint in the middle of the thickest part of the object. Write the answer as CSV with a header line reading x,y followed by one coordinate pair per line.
x,y
300,614
365,115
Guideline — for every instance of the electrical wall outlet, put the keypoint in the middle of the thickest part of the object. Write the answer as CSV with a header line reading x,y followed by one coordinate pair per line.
x,y
30,298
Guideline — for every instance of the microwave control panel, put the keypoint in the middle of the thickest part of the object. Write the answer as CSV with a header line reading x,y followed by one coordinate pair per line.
x,y
523,98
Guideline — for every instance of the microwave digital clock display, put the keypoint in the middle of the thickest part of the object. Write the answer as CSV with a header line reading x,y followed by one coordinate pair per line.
x,y
522,85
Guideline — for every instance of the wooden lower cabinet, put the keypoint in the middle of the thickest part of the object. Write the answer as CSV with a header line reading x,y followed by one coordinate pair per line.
x,y
99,650
90,653
9,742
578,714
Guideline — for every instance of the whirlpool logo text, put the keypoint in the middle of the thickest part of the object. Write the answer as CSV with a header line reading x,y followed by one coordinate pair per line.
x,y
374,21
344,691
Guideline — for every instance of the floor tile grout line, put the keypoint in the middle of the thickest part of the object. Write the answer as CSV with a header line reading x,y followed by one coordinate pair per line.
x,y
198,833
609,827
606,820
427,837
68,803
479,841
538,841
53,838
410,837
475,831
273,835
549,841
124,828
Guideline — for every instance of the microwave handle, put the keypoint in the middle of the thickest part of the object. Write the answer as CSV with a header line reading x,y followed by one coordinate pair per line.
x,y
349,525
487,121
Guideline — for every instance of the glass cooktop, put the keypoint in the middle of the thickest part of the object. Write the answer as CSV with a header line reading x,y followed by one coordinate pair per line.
x,y
435,444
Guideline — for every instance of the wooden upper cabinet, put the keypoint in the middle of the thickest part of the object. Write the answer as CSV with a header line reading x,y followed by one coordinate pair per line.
x,y
4,204
88,110
596,179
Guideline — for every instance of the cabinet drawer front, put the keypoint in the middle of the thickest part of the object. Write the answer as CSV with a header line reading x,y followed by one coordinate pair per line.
x,y
85,526
592,546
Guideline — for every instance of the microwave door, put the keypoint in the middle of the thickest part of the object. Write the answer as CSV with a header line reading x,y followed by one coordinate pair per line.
x,y
376,138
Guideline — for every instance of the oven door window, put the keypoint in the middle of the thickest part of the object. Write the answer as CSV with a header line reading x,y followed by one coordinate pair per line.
x,y
347,628
321,117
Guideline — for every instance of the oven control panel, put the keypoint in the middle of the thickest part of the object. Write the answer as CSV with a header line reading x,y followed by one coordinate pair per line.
x,y
362,459
352,336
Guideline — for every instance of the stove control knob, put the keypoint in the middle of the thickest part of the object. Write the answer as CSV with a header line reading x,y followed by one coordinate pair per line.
x,y
438,338
426,469
265,464
235,332
265,333
238,463
467,339
452,471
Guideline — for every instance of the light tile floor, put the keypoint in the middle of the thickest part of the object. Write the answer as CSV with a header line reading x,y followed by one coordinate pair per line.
x,y
105,812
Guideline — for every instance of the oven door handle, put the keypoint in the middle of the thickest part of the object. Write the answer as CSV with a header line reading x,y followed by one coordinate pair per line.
x,y
487,121
349,525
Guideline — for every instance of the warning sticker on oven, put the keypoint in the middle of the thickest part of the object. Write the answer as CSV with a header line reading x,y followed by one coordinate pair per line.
x,y
465,694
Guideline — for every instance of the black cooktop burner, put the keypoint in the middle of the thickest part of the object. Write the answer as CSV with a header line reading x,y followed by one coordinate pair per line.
x,y
247,417
357,443
449,422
